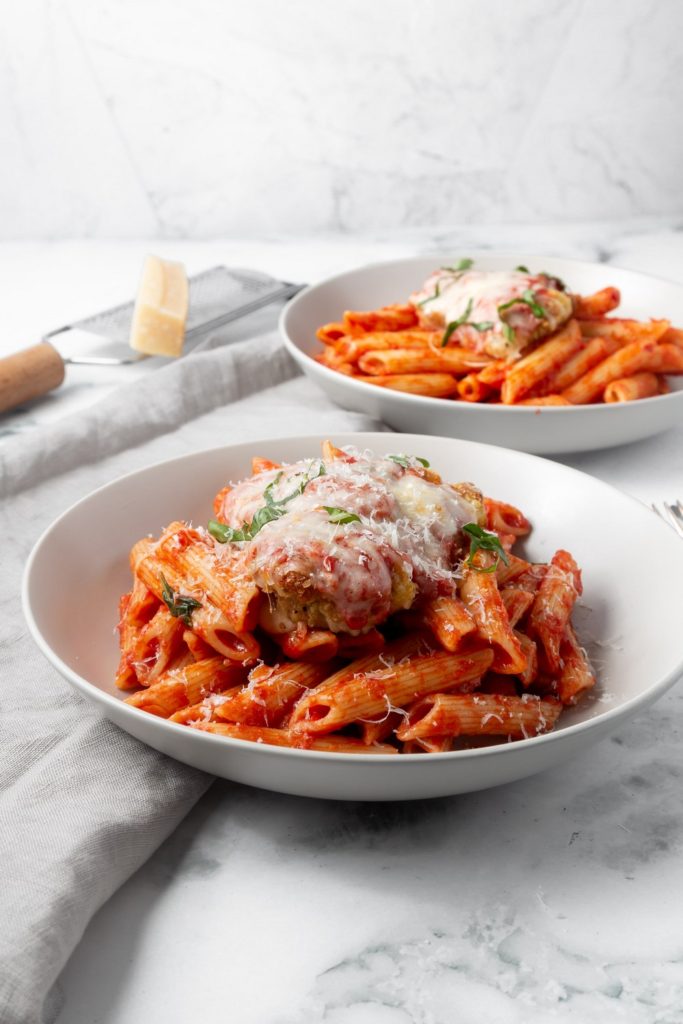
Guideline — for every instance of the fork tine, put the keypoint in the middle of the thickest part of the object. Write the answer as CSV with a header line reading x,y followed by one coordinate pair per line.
x,y
672,514
676,515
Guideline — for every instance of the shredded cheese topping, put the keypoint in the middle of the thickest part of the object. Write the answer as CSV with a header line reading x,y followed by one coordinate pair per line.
x,y
399,538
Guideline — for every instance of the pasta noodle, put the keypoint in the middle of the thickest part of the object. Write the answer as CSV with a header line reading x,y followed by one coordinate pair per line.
x,y
352,604
511,338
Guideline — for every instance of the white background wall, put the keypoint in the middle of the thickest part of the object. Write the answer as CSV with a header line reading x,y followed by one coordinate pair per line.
x,y
201,118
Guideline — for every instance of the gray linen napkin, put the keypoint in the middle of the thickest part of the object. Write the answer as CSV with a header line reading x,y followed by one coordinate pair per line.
x,y
82,804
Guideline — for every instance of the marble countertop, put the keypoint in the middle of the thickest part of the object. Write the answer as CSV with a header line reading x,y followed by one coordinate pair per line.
x,y
553,899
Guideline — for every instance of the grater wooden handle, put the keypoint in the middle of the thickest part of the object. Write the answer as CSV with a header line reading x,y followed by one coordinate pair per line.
x,y
29,374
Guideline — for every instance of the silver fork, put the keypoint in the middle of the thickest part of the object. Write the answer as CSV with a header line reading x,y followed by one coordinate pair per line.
x,y
671,513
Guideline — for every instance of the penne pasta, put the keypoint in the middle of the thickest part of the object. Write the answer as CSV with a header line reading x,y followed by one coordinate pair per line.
x,y
479,714
270,694
431,385
283,738
626,361
449,621
593,352
207,621
598,304
553,604
545,400
329,333
367,695
155,646
577,676
388,318
481,597
517,603
308,644
410,360
526,374
385,612
222,580
351,349
135,611
504,518
181,687
628,389
472,388
370,643
513,338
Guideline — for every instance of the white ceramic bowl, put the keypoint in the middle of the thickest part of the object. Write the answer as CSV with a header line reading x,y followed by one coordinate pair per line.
x,y
633,585
543,430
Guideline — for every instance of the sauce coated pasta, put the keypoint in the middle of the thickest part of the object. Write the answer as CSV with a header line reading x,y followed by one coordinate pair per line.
x,y
352,603
505,338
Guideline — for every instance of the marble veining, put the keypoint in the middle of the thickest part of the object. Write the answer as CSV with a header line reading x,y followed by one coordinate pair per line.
x,y
210,119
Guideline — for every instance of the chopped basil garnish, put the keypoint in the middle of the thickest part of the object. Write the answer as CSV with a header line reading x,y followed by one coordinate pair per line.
x,y
224,534
403,460
430,298
528,298
339,516
522,269
180,606
554,281
534,305
454,324
508,332
460,266
464,321
272,510
268,493
483,540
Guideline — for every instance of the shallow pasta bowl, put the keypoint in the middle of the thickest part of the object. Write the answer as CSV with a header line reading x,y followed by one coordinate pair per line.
x,y
544,430
633,592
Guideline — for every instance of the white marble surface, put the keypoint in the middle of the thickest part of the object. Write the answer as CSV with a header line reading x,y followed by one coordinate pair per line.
x,y
554,899
210,119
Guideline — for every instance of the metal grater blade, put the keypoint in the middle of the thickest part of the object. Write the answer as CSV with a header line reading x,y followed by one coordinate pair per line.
x,y
216,296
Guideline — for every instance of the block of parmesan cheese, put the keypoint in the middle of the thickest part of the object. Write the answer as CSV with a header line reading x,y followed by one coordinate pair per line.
x,y
160,309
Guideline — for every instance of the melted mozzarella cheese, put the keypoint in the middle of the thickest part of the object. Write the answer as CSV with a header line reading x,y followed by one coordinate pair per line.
x,y
486,289
475,296
399,544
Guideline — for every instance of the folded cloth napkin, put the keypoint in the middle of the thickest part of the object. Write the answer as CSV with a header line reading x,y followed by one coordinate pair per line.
x,y
83,804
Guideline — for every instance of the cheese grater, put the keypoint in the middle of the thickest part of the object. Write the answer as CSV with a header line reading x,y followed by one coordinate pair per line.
x,y
216,297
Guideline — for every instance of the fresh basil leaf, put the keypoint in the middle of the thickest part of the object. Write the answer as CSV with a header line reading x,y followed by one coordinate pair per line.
x,y
464,264
300,487
483,325
179,605
522,269
272,510
554,281
484,540
268,493
403,460
527,298
430,298
227,534
167,595
339,516
534,305
454,324
509,333
267,514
